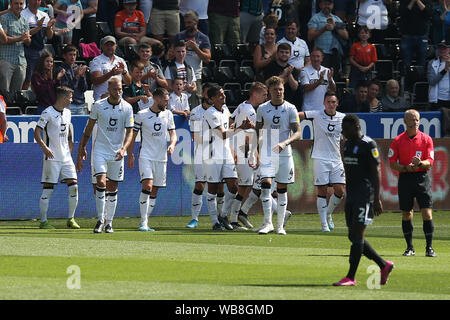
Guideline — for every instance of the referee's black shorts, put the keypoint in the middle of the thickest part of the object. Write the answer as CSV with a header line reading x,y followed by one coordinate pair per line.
x,y
414,185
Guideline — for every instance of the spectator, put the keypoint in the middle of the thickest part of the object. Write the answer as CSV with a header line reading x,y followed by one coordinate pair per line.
x,y
178,100
153,75
251,21
12,55
180,69
129,25
106,66
74,78
345,10
224,23
284,9
3,122
265,53
270,21
372,96
88,28
437,32
415,16
377,23
198,50
47,7
280,67
300,52
392,101
438,78
146,7
44,83
137,94
199,6
445,17
165,19
363,56
316,80
324,28
64,9
41,29
158,51
356,102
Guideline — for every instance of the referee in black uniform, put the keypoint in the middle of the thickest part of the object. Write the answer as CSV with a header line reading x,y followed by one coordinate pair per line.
x,y
361,163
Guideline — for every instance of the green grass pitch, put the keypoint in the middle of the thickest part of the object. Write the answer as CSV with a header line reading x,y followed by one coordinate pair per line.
x,y
177,263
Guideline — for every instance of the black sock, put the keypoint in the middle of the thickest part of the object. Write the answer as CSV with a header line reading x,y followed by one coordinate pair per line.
x,y
428,229
371,254
407,228
356,251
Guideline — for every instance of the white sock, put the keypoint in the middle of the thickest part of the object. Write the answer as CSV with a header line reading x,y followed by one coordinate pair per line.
x,y
143,206
333,203
235,206
266,205
249,202
196,205
110,206
322,209
219,203
282,204
274,205
212,207
73,199
100,203
44,202
229,197
151,206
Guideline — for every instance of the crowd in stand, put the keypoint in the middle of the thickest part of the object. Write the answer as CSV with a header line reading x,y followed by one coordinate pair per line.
x,y
378,55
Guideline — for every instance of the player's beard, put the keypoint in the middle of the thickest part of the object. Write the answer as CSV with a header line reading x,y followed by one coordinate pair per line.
x,y
161,107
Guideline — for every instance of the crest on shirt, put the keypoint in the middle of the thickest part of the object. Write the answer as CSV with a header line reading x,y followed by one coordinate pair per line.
x,y
390,153
331,127
112,122
276,119
375,153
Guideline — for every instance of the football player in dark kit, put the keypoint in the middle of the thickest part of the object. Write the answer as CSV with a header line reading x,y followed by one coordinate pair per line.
x,y
361,163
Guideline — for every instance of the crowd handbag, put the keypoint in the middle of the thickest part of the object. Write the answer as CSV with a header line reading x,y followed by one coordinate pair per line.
x,y
89,50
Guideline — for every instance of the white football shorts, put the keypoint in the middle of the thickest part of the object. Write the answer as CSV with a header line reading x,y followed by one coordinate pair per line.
x,y
153,170
217,170
328,172
106,164
55,171
279,168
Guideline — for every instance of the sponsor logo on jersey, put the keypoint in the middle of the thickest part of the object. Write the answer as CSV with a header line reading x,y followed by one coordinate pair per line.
x,y
375,153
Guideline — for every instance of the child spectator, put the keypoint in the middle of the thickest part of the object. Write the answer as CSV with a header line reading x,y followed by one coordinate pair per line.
x,y
178,100
363,56
137,94
153,75
44,83
74,78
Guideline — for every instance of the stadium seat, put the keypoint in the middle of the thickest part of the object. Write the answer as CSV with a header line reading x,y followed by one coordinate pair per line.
x,y
242,51
49,47
103,29
32,110
232,64
245,95
207,75
23,99
235,88
392,48
384,70
232,100
221,52
247,63
247,85
414,74
381,51
224,75
420,95
13,111
246,74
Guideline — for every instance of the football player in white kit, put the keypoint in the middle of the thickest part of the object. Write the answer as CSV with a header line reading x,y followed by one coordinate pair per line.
x,y
275,120
154,123
195,125
114,118
326,155
246,165
217,154
58,164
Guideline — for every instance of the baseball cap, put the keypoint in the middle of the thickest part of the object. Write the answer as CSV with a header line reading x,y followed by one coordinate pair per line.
x,y
444,44
108,39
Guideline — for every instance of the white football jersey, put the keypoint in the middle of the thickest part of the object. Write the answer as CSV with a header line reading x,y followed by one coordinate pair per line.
x,y
243,111
327,135
277,122
195,125
214,147
178,103
154,128
313,100
56,126
111,124
299,51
